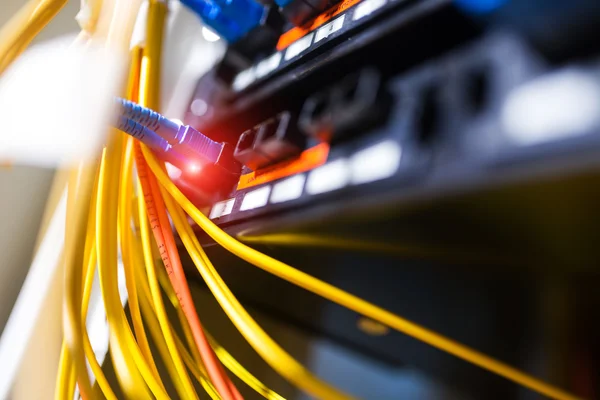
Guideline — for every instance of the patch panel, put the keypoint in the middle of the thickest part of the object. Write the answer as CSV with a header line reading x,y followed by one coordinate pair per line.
x,y
235,112
424,119
340,20
405,110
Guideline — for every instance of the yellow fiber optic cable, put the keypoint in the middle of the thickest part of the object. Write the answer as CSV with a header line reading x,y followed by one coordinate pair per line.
x,y
153,326
132,369
461,256
71,384
130,364
125,219
89,272
89,269
185,388
65,388
67,371
224,356
80,186
87,345
197,369
348,300
81,183
89,252
238,370
23,27
264,345
71,298
165,283
148,95
14,38
150,319
128,248
65,384
228,361
122,344
12,30
154,329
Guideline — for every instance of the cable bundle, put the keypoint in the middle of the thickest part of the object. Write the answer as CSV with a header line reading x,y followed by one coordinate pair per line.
x,y
101,219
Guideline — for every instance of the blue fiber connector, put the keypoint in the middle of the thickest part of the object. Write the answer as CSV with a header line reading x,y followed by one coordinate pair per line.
x,y
180,142
151,139
189,142
231,19
152,120
143,134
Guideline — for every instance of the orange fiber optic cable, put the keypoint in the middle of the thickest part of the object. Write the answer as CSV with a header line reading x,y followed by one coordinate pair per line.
x,y
159,222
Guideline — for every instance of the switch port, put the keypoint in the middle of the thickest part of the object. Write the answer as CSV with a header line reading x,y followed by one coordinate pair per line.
x,y
298,12
429,116
278,138
361,102
358,103
247,154
316,116
478,89
271,141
